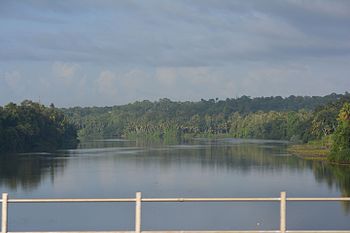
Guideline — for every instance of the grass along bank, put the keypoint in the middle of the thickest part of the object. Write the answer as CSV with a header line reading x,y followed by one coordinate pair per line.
x,y
317,149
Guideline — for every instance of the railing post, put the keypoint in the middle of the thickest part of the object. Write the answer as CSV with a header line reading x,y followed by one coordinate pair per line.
x,y
283,213
4,213
137,213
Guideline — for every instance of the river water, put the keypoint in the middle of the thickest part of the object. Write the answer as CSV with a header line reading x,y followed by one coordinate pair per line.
x,y
196,168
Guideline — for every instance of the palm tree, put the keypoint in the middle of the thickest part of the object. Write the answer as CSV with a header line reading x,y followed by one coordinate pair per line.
x,y
344,114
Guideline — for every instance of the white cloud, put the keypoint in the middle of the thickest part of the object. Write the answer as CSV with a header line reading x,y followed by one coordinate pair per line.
x,y
16,83
183,50
194,75
107,84
283,80
166,75
264,25
65,71
13,80
332,8
190,83
134,79
15,86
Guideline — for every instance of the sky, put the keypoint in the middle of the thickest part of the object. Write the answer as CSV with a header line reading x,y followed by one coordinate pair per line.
x,y
113,52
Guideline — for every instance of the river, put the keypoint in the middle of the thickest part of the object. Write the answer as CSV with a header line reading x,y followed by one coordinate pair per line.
x,y
196,168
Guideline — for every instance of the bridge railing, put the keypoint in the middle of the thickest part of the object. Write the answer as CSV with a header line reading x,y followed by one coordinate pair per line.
x,y
138,203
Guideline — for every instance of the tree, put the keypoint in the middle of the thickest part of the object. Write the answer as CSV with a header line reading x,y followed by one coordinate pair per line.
x,y
340,151
32,126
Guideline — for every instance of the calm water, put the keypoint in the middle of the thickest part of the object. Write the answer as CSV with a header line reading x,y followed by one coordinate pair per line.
x,y
198,168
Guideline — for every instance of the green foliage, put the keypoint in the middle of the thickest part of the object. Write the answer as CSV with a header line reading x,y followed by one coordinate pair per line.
x,y
340,151
271,125
32,126
325,121
299,119
263,117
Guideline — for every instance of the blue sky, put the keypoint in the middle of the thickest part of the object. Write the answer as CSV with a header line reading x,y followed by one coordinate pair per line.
x,y
84,52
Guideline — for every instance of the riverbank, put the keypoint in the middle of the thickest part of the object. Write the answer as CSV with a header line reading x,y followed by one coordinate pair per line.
x,y
319,149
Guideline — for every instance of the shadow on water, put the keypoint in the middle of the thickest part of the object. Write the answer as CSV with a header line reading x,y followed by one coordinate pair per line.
x,y
337,176
27,171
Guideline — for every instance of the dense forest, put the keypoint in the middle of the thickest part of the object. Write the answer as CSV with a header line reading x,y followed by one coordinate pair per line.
x,y
294,118
340,150
32,126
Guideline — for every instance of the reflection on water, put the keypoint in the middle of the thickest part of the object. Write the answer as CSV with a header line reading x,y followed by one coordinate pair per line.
x,y
27,171
337,176
334,175
197,168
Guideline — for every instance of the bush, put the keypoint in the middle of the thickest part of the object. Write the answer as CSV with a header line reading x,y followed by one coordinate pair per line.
x,y
340,151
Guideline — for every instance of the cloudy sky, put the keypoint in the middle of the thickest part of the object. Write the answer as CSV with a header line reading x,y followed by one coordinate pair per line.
x,y
85,52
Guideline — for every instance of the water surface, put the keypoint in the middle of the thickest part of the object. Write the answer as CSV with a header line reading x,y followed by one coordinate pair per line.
x,y
197,168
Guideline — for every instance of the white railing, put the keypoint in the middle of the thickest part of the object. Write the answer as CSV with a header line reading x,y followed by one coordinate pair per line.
x,y
138,200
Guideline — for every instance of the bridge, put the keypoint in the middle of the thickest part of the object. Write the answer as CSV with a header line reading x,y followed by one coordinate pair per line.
x,y
282,199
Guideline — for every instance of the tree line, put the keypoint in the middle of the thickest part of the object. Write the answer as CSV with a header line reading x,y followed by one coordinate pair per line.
x,y
294,118
31,126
